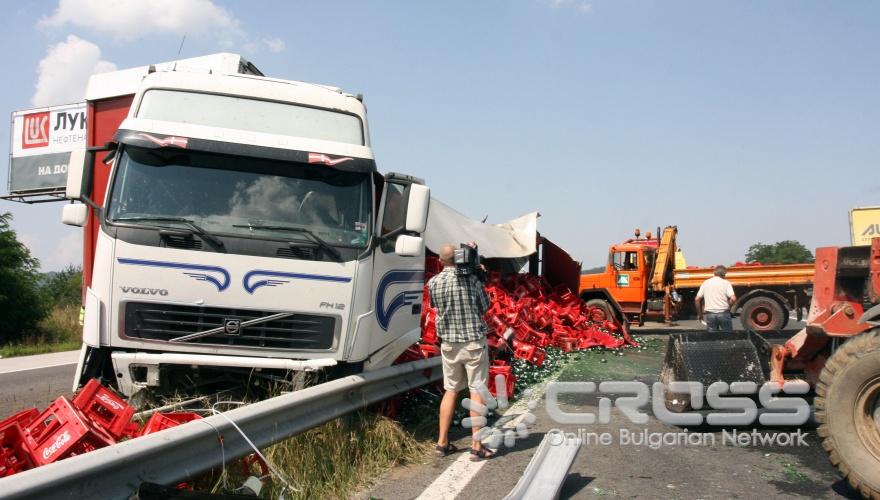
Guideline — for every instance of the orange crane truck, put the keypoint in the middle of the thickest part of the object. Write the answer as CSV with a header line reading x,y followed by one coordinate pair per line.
x,y
640,282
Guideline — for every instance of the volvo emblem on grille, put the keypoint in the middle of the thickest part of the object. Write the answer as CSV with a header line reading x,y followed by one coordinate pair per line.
x,y
232,326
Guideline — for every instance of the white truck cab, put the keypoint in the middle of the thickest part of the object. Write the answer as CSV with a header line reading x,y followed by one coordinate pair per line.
x,y
241,226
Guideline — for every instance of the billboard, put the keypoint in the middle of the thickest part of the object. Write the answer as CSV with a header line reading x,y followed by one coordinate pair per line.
x,y
42,140
864,224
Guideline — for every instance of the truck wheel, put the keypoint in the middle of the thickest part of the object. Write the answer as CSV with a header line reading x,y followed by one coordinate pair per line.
x,y
602,305
762,314
848,411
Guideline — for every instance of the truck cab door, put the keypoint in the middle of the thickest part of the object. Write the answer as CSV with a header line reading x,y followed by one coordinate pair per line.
x,y
628,280
398,267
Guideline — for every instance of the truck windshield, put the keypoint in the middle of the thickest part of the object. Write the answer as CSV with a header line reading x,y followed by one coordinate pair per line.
x,y
239,196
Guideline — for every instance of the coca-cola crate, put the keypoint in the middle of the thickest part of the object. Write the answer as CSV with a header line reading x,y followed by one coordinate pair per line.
x,y
161,421
21,418
530,353
104,407
14,455
61,431
566,344
429,350
500,367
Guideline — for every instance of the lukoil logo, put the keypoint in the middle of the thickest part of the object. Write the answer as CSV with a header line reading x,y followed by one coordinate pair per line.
x,y
35,132
60,441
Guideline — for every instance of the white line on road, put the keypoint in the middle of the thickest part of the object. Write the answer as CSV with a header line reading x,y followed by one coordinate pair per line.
x,y
38,368
456,477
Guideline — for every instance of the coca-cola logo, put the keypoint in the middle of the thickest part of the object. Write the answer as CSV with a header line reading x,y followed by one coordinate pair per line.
x,y
113,404
60,441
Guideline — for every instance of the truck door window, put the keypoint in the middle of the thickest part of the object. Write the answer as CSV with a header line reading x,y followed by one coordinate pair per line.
x,y
625,261
394,214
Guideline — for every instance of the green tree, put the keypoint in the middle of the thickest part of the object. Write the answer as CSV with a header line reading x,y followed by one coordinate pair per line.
x,y
21,306
781,252
64,288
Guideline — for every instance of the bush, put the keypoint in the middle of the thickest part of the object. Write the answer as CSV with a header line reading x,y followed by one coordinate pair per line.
x,y
64,288
61,325
21,306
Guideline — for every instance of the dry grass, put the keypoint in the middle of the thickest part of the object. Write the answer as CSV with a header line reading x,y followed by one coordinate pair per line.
x,y
336,459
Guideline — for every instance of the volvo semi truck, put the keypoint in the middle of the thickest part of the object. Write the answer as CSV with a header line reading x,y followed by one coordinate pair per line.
x,y
236,224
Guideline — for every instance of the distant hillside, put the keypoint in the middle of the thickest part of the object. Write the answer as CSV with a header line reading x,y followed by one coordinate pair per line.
x,y
593,270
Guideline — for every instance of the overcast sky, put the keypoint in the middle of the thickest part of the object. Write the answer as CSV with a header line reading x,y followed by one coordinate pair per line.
x,y
739,122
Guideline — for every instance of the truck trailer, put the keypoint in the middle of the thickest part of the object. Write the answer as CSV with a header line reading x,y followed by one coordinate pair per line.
x,y
236,224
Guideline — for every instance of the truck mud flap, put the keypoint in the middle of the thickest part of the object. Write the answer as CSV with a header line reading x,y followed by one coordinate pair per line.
x,y
712,357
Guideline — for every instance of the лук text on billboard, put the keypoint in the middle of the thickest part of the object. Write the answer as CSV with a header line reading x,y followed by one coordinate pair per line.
x,y
42,140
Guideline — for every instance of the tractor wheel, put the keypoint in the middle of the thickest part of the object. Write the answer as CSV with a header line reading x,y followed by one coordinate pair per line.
x,y
603,306
762,314
848,411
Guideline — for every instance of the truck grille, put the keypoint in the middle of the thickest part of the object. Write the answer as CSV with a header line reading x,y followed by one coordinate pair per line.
x,y
167,321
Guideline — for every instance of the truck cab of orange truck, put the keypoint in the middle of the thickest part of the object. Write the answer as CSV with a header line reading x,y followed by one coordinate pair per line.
x,y
625,282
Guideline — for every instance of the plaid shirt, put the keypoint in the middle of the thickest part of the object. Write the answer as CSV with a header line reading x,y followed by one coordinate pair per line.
x,y
461,302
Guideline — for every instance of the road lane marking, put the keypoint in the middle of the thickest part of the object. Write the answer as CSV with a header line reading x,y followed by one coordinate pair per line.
x,y
459,474
37,367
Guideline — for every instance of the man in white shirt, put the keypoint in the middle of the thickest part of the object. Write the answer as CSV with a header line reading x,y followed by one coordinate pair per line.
x,y
717,293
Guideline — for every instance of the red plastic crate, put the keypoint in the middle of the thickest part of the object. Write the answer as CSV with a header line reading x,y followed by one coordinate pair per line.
x,y
161,421
429,350
104,407
62,431
530,353
21,418
566,344
14,455
501,368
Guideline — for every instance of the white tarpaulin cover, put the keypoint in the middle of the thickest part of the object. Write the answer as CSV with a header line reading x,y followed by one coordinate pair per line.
x,y
514,238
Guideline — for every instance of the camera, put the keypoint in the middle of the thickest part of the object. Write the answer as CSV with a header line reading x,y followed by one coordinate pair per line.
x,y
467,261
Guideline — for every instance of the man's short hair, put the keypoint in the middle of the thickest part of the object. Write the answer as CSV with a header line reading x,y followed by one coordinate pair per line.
x,y
720,271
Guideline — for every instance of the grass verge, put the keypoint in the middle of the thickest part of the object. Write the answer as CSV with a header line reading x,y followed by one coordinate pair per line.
x,y
59,331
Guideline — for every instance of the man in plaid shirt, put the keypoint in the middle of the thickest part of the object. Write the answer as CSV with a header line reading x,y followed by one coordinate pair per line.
x,y
461,301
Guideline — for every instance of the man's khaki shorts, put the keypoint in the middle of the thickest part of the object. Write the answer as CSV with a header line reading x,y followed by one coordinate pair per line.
x,y
465,364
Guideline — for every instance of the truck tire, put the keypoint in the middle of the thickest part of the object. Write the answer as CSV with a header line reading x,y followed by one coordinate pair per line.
x,y
848,411
603,305
762,314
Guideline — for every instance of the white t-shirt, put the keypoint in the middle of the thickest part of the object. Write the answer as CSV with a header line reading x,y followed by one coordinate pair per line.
x,y
716,292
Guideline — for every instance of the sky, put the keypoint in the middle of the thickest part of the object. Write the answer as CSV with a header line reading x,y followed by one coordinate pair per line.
x,y
739,122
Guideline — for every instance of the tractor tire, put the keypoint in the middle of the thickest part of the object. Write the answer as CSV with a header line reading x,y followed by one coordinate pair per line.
x,y
603,305
848,411
762,314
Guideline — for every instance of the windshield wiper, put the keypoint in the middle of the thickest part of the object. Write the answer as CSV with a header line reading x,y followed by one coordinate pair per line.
x,y
192,225
317,239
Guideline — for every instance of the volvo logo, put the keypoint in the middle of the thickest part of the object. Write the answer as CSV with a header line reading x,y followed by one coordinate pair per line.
x,y
232,326
144,291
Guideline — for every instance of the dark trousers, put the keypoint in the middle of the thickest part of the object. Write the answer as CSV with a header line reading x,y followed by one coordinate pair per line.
x,y
719,322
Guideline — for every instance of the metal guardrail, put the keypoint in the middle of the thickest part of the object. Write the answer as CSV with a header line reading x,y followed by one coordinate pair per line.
x,y
183,452
548,468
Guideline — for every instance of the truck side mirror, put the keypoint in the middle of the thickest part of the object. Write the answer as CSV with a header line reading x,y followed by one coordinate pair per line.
x,y
417,208
75,214
409,246
78,170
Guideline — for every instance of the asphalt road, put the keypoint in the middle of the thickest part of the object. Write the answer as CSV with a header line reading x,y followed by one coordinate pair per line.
x,y
717,469
35,381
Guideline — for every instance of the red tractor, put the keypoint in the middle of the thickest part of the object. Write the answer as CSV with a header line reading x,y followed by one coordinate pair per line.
x,y
838,353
